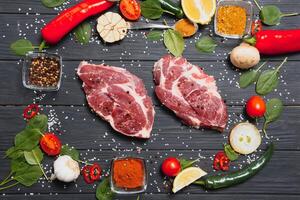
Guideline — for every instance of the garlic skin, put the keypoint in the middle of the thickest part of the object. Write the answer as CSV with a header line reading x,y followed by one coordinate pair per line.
x,y
66,169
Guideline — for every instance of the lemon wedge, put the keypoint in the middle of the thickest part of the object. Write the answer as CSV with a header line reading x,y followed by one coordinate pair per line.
x,y
187,177
199,11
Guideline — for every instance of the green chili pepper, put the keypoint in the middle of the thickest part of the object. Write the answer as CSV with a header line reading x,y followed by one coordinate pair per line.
x,y
172,8
237,177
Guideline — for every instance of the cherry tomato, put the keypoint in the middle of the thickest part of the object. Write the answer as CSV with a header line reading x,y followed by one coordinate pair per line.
x,y
171,166
256,27
256,107
30,111
50,144
130,9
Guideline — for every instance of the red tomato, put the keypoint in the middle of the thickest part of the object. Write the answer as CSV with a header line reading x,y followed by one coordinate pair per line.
x,y
50,144
130,9
256,107
171,166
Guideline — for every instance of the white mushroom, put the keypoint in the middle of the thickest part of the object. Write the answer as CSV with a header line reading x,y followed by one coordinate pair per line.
x,y
66,169
244,56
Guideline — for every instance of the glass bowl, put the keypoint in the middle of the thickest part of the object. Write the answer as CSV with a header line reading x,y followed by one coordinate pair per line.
x,y
119,190
25,71
249,16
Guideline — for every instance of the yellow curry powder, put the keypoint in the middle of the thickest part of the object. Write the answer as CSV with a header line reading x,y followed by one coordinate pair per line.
x,y
231,20
185,27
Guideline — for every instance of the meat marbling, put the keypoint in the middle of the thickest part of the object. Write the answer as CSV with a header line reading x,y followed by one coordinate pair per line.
x,y
118,97
190,93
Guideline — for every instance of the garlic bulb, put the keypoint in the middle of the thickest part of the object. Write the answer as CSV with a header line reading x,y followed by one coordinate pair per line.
x,y
112,27
66,169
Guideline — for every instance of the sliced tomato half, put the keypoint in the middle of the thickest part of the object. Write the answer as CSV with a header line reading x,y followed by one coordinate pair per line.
x,y
130,9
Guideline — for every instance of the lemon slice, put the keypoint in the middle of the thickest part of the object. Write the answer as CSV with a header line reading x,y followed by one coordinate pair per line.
x,y
199,11
187,177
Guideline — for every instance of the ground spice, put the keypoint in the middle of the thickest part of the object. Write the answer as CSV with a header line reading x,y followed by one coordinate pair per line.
x,y
128,173
185,27
44,71
231,20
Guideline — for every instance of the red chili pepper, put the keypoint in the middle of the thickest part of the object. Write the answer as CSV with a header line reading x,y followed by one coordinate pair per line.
x,y
30,111
86,171
275,42
221,161
61,25
95,172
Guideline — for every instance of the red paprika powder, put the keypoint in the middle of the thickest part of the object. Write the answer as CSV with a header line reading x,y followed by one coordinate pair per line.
x,y
128,173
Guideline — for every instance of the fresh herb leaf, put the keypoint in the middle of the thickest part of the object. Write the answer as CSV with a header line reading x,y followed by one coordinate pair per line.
x,y
274,108
28,176
174,42
27,139
151,9
34,157
230,153
249,77
70,151
268,80
13,153
103,191
21,47
38,122
83,33
186,163
18,164
154,35
52,3
206,44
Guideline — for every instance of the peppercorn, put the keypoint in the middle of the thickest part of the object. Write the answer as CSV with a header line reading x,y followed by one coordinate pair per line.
x,y
44,71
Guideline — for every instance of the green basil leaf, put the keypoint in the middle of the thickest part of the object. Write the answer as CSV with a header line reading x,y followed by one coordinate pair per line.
x,y
186,163
154,35
174,42
206,44
27,139
21,47
70,151
52,3
34,157
18,164
38,122
151,9
28,176
270,15
83,32
274,108
248,78
230,153
267,82
103,191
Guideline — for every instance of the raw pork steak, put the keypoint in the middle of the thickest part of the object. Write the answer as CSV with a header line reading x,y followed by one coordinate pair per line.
x,y
190,93
119,97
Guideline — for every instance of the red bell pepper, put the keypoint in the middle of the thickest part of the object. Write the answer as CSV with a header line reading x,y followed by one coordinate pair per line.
x,y
61,25
275,42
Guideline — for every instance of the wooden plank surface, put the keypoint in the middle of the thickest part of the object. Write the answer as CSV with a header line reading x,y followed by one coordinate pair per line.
x,y
95,139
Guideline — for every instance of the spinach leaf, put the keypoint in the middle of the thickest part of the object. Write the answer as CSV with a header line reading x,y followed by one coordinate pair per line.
x,y
230,153
206,44
186,163
83,32
18,164
52,3
249,77
27,139
28,176
70,151
174,42
151,9
34,157
154,35
13,153
274,108
103,191
38,122
21,47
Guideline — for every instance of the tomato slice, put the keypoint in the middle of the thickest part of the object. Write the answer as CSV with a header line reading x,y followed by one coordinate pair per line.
x,y
50,144
130,9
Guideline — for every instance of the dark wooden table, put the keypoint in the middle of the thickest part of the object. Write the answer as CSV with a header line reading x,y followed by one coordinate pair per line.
x,y
81,128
